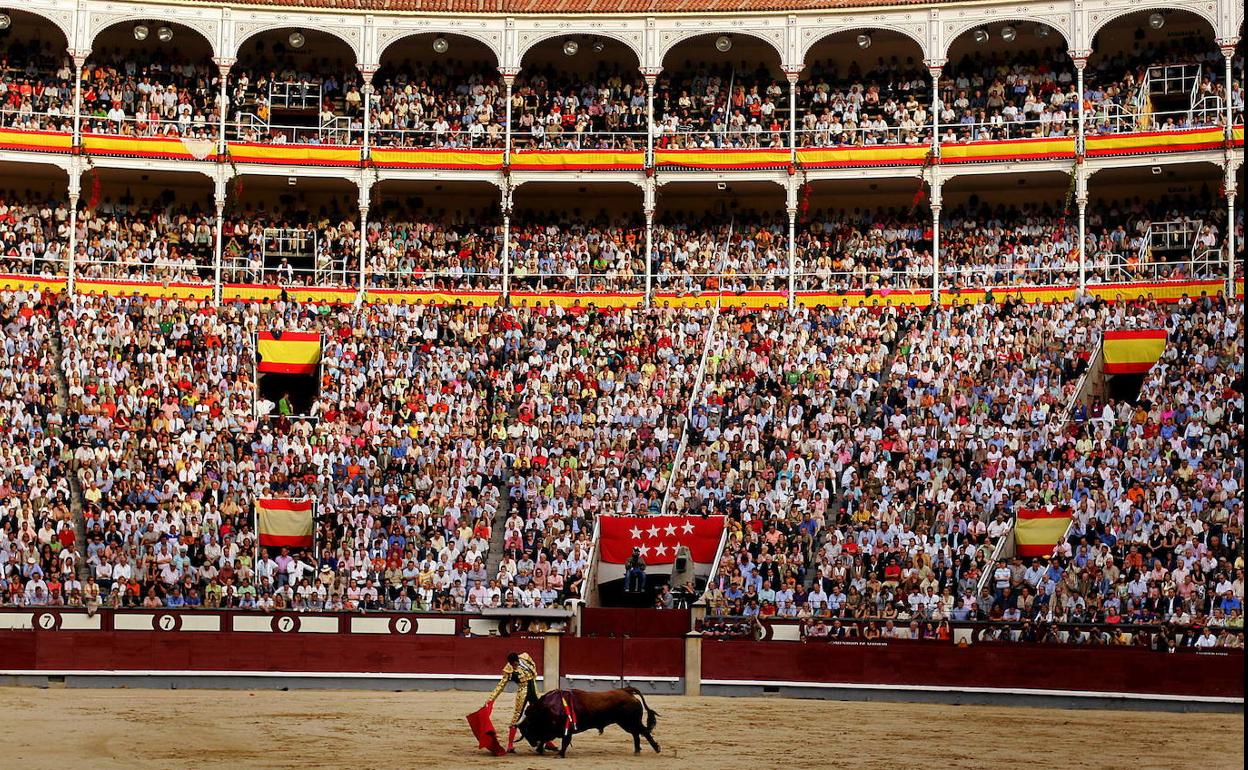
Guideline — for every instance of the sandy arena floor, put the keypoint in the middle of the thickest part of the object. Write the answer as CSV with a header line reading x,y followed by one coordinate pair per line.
x,y
305,729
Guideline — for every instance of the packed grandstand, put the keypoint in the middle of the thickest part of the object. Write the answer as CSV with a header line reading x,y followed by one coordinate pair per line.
x,y
849,294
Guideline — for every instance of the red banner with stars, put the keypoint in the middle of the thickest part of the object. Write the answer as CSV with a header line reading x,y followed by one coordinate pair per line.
x,y
658,539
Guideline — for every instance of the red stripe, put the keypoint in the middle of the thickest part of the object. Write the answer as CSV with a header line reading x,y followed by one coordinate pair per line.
x,y
284,504
291,337
287,541
1141,367
1136,334
1040,513
1033,550
274,368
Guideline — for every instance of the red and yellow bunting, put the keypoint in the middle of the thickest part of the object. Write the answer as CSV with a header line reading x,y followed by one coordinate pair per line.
x,y
577,160
166,290
1008,150
252,292
1153,142
723,159
294,154
162,147
465,160
857,157
402,297
36,141
288,352
31,283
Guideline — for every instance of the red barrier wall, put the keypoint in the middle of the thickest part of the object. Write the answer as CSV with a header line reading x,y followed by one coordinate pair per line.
x,y
1041,667
225,651
623,621
605,656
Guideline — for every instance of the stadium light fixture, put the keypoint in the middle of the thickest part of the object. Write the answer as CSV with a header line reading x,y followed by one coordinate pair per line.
x,y
598,46
6,21
1042,31
723,44
164,34
140,32
864,41
1157,21
297,40
570,47
440,45
981,36
1009,34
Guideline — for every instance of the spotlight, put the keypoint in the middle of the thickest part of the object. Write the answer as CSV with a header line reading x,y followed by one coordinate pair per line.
x,y
297,40
1042,31
164,34
140,31
440,45
1157,21
1008,34
723,44
981,36
864,41
6,21
570,47
598,46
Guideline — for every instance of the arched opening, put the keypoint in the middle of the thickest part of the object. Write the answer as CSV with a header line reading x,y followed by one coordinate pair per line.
x,y
34,231
1016,230
1008,80
1157,223
721,236
434,236
438,90
864,87
579,93
1155,69
36,75
292,231
586,239
722,91
150,78
864,235
150,226
296,86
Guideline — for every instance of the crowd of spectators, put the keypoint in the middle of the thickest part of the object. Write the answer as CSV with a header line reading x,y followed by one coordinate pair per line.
x,y
440,104
556,110
36,86
720,106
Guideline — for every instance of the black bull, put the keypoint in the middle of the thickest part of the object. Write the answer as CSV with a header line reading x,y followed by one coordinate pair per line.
x,y
546,719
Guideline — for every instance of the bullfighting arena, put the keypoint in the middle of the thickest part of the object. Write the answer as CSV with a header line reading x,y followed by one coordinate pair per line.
x,y
310,729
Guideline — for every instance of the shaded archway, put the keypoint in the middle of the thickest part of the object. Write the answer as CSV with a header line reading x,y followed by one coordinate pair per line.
x,y
34,234
434,236
864,235
438,90
37,78
146,226
866,86
1008,80
1155,69
722,91
151,78
296,85
1157,223
579,92
998,231
292,231
586,239
711,236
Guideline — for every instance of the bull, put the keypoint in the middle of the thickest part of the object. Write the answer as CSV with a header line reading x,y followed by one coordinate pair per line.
x,y
560,714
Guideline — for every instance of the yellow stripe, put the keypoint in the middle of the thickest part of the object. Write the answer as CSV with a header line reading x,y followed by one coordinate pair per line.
x,y
276,153
892,299
145,289
1136,351
1046,531
25,283
381,296
863,155
37,140
576,159
721,159
285,523
1017,150
572,300
288,352
435,158
139,146
1160,140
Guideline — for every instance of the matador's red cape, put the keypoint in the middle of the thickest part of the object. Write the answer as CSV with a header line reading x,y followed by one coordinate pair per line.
x,y
483,728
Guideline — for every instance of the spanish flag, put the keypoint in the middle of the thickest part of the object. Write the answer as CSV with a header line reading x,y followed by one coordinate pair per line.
x,y
288,352
1038,530
1133,351
284,523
